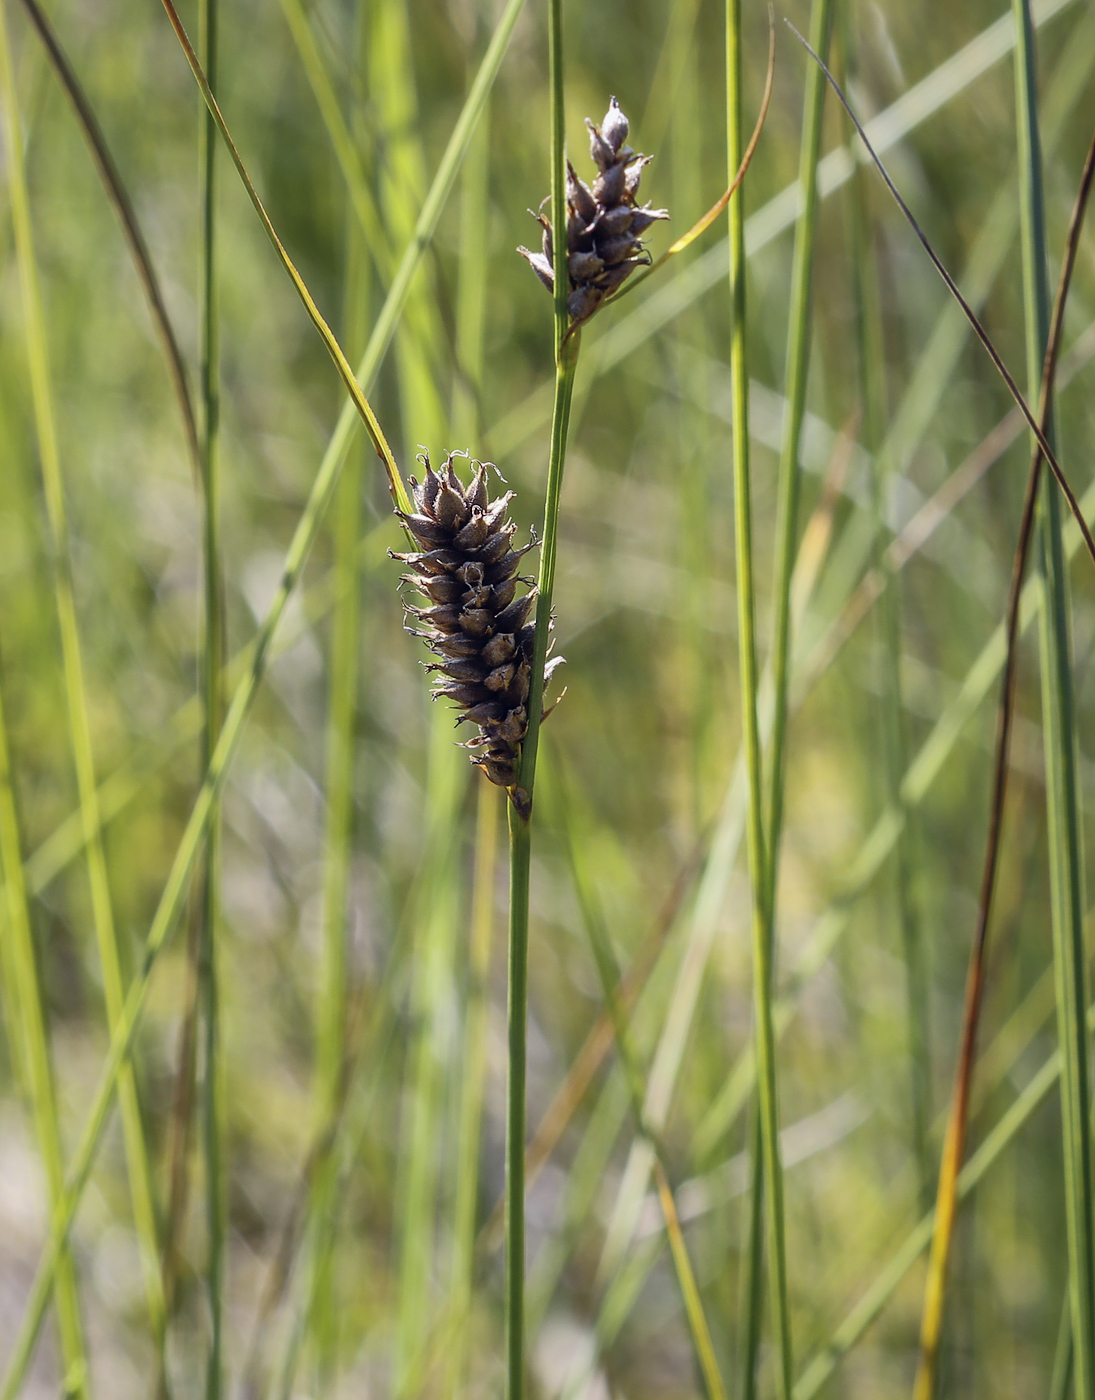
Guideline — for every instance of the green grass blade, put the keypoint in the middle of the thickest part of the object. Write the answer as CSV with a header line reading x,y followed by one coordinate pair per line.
x,y
795,378
566,361
1063,801
763,948
796,373
830,927
926,766
213,1094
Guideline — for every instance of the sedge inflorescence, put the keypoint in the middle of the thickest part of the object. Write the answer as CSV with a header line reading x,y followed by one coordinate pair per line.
x,y
475,623
604,221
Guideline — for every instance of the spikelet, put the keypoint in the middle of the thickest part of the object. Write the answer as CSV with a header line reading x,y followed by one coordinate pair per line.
x,y
474,622
604,223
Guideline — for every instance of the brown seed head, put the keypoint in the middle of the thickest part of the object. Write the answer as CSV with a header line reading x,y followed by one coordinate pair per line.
x,y
603,221
477,626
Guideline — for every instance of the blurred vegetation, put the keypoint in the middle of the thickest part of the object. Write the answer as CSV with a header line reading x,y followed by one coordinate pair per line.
x,y
368,1286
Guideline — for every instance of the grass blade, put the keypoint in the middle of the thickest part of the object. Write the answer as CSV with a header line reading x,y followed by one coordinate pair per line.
x,y
796,371
566,346
763,948
1063,801
214,1095
954,1147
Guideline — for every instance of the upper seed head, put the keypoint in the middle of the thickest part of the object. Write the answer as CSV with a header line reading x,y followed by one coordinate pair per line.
x,y
604,222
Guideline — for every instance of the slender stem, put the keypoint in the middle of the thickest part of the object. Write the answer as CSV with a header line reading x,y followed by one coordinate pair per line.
x,y
758,868
564,389
213,1098
958,1118
520,812
1059,728
520,856
1060,1383
797,370
752,1287
520,846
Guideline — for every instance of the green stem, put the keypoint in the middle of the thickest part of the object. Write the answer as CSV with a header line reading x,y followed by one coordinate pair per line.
x,y
758,867
520,855
213,1096
564,390
797,372
520,849
788,490
566,362
1060,1383
1059,728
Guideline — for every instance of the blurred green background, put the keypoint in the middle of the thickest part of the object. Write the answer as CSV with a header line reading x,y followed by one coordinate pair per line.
x,y
638,816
